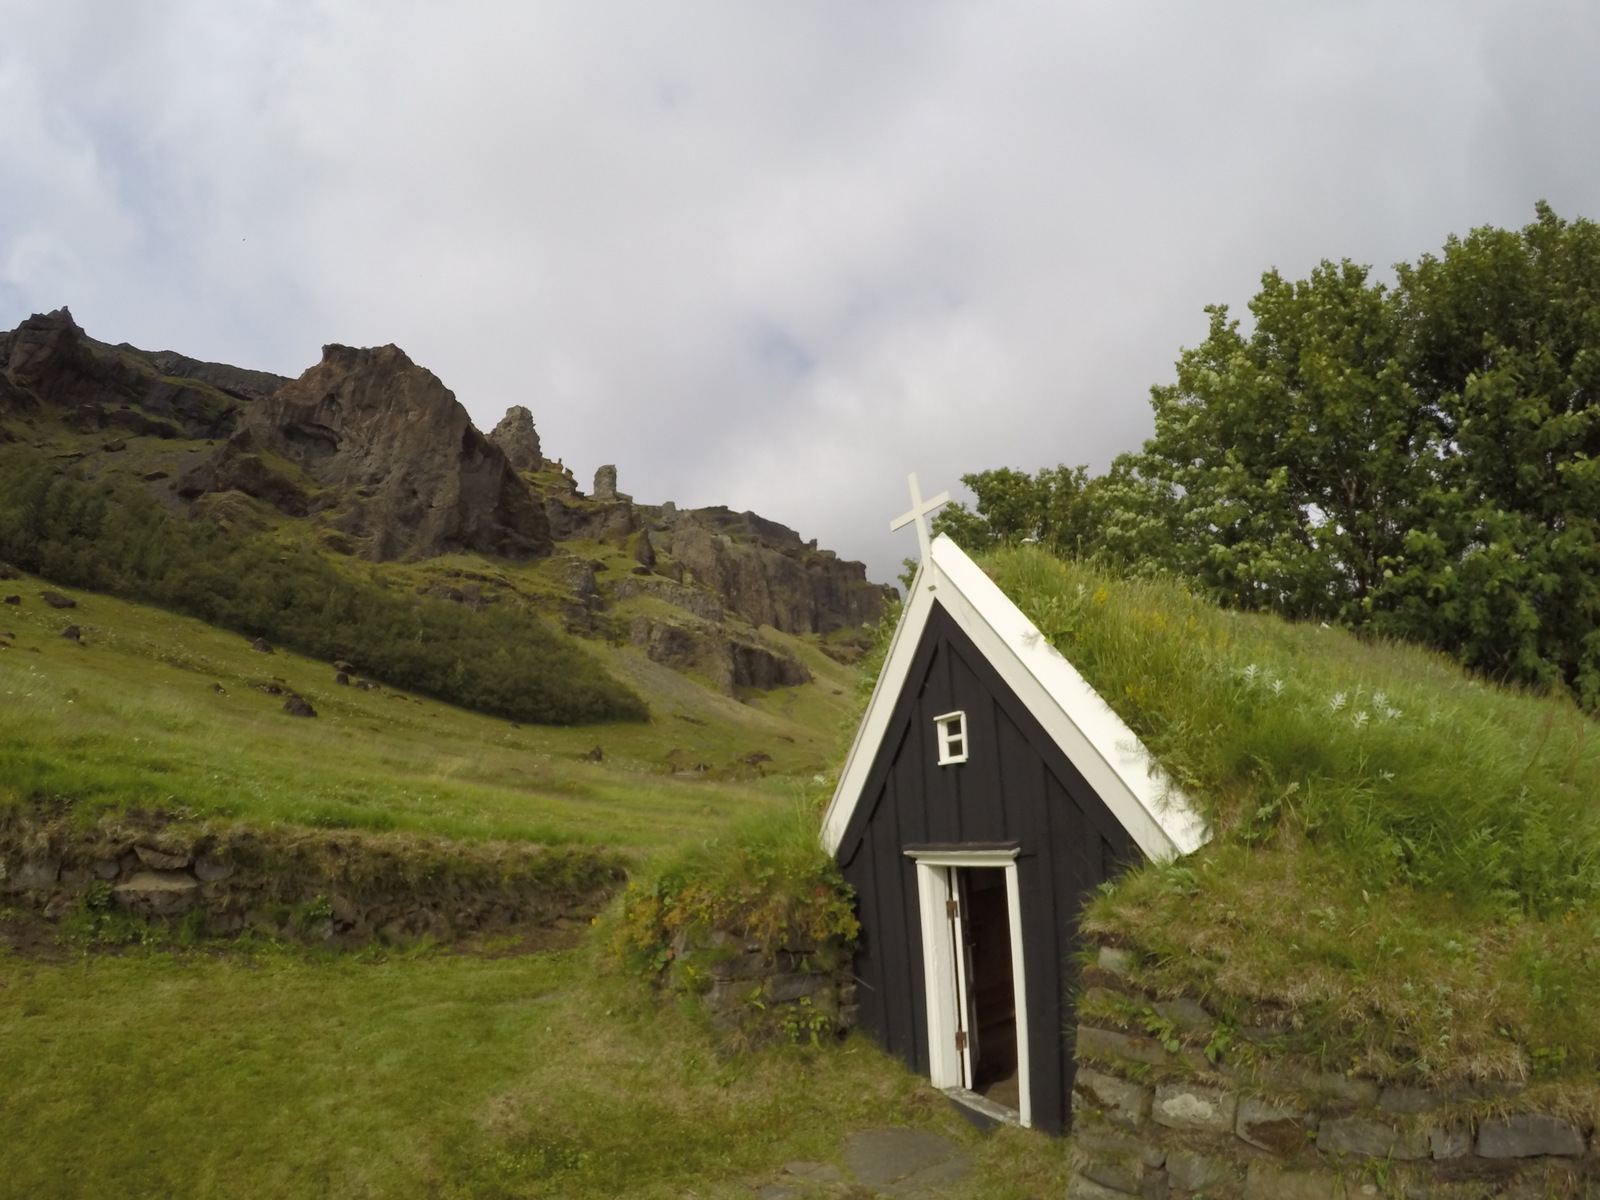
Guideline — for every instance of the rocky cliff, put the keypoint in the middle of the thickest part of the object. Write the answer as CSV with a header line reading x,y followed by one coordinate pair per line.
x,y
48,362
765,572
379,459
384,455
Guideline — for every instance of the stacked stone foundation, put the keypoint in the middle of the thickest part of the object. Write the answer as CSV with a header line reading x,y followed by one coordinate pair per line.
x,y
764,989
1185,1114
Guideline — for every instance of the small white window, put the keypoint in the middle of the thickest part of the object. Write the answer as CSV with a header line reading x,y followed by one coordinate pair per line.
x,y
952,729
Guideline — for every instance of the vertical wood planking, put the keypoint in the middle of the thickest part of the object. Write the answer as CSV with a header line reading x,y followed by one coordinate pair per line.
x,y
1017,785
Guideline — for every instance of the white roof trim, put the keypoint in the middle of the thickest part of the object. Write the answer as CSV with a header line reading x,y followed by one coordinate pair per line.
x,y
1160,818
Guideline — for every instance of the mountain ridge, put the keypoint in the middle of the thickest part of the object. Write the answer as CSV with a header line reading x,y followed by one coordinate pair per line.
x,y
371,457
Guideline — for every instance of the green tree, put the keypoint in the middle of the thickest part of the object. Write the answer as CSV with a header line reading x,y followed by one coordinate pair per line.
x,y
1418,459
1056,507
1421,459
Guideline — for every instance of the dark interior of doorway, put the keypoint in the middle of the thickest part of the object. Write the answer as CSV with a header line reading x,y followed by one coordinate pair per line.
x,y
993,998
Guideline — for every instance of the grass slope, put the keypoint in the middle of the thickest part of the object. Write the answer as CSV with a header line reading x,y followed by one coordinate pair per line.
x,y
1406,870
262,1071
131,718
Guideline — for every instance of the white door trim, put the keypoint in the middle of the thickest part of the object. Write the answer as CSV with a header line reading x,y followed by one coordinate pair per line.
x,y
944,969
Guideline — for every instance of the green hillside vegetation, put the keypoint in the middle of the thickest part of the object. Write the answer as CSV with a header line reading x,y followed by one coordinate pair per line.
x,y
132,717
1406,866
257,1069
110,535
1414,459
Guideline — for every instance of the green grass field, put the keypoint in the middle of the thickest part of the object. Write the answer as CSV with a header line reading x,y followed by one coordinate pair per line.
x,y
283,1075
131,717
255,1070
1439,836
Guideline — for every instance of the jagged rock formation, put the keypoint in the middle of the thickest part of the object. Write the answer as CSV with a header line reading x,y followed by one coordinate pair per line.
x,y
728,660
388,457
574,516
376,455
519,440
758,569
605,485
766,574
48,361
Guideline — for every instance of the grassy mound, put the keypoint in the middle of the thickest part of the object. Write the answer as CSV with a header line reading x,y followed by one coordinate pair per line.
x,y
767,876
1406,866
116,538
160,712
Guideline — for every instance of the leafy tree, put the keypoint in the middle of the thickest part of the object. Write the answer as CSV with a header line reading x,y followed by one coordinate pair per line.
x,y
1055,507
1422,459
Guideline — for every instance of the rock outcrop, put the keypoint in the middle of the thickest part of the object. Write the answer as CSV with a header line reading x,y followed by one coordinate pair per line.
x,y
518,439
49,362
766,574
386,455
576,517
708,649
374,453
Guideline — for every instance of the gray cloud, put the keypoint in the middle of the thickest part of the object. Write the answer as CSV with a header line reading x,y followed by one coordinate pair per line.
x,y
769,256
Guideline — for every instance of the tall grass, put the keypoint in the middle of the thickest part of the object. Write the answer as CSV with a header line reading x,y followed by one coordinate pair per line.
x,y
1405,872
1389,755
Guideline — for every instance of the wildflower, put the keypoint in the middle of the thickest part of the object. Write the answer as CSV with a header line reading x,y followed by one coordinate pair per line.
x,y
1359,720
1337,703
1277,687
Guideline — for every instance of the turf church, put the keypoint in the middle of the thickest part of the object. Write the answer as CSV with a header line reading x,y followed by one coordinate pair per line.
x,y
989,790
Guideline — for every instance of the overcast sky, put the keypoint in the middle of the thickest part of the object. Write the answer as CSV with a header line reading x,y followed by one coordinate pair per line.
x,y
767,255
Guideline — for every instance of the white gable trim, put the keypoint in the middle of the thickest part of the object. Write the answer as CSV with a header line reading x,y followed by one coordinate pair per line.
x,y
1155,812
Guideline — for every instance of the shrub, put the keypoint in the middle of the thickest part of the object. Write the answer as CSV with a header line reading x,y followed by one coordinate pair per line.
x,y
503,661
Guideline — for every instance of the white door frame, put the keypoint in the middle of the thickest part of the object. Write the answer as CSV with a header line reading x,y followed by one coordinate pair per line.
x,y
944,966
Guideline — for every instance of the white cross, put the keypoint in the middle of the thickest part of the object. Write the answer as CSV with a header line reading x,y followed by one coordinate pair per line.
x,y
920,509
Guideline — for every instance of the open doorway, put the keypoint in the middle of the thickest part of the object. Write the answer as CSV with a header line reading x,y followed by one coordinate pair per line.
x,y
991,992
973,960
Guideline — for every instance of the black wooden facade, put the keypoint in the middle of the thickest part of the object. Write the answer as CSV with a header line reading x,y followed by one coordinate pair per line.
x,y
1017,787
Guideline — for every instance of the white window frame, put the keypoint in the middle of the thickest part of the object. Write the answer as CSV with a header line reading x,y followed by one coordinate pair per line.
x,y
951,727
944,974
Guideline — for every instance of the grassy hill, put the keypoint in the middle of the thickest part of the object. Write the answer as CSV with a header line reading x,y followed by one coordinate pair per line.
x,y
1405,878
261,1069
159,711
1404,881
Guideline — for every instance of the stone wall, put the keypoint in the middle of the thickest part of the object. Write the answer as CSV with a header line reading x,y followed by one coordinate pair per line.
x,y
789,988
339,887
1167,1104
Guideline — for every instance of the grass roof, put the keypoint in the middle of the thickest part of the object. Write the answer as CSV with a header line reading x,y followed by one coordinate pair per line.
x,y
1406,864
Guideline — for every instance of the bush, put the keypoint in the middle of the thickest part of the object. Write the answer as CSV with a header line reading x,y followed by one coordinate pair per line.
x,y
503,661
768,878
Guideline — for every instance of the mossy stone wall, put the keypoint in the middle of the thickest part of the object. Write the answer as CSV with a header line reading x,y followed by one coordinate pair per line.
x,y
338,887
1167,1104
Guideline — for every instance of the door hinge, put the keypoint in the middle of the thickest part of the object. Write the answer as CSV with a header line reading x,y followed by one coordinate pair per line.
x,y
961,1041
952,909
